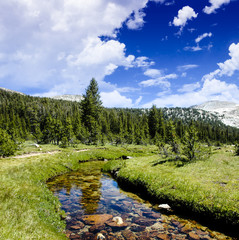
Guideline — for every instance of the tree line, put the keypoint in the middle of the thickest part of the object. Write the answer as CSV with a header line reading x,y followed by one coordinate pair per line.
x,y
60,122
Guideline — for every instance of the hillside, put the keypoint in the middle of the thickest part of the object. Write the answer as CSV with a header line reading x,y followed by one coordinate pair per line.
x,y
10,91
227,112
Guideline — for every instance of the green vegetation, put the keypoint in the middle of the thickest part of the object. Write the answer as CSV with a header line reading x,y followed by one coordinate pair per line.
x,y
207,188
237,149
7,145
28,210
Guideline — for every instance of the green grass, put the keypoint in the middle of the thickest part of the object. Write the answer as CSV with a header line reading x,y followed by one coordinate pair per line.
x,y
28,210
208,188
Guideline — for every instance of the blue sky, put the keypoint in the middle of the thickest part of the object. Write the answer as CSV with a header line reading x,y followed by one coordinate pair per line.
x,y
141,52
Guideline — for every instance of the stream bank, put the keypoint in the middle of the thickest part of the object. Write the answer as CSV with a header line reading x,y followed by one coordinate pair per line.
x,y
92,200
188,197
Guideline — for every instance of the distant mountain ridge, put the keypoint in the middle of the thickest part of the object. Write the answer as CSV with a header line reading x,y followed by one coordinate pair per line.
x,y
227,112
69,97
11,91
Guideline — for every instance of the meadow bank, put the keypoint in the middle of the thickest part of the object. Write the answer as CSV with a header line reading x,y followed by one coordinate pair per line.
x,y
206,190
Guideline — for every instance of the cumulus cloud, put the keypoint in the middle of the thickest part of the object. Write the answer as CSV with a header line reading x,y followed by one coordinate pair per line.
x,y
232,64
215,4
201,37
229,66
184,15
212,89
54,46
115,99
136,21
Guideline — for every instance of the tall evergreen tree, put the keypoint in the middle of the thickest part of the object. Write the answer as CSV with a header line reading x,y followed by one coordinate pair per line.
x,y
91,106
153,121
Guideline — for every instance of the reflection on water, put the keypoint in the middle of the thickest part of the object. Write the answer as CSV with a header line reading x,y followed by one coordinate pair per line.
x,y
94,204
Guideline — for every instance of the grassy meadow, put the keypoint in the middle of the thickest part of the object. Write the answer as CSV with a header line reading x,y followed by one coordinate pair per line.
x,y
28,210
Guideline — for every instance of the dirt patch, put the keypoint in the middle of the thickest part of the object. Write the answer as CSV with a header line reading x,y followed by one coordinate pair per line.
x,y
35,154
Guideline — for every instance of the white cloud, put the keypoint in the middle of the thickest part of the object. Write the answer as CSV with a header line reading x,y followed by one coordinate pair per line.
x,y
211,90
159,81
201,37
160,1
189,87
136,21
187,67
127,89
232,64
193,48
115,99
229,66
53,46
215,4
138,100
185,14
198,40
143,62
153,73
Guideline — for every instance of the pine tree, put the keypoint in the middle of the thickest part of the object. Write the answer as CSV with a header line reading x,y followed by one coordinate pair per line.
x,y
172,138
153,121
191,146
91,107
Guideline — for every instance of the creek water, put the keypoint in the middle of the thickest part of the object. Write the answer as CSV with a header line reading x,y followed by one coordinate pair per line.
x,y
97,208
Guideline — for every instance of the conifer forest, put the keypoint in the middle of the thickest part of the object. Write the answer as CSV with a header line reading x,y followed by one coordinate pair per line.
x,y
65,123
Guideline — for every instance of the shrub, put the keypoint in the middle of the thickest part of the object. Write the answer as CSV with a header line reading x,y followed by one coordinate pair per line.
x,y
237,149
7,145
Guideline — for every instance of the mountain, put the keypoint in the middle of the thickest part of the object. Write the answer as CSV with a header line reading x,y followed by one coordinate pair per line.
x,y
227,112
10,91
68,97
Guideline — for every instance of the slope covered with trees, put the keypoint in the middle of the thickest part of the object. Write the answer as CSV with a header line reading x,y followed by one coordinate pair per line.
x,y
62,122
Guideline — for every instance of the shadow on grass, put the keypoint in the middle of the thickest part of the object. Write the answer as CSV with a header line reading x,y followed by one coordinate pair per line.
x,y
177,161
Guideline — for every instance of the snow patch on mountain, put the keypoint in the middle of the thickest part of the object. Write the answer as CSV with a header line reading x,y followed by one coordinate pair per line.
x,y
227,112
68,97
11,91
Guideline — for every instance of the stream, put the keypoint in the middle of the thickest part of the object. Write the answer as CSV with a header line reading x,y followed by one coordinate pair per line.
x,y
97,208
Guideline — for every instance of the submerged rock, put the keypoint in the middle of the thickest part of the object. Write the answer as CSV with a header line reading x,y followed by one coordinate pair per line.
x,y
96,228
144,221
118,220
193,236
137,228
117,223
100,236
163,236
128,235
97,219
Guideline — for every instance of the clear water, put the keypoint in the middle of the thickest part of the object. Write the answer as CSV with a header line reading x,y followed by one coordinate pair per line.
x,y
92,200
